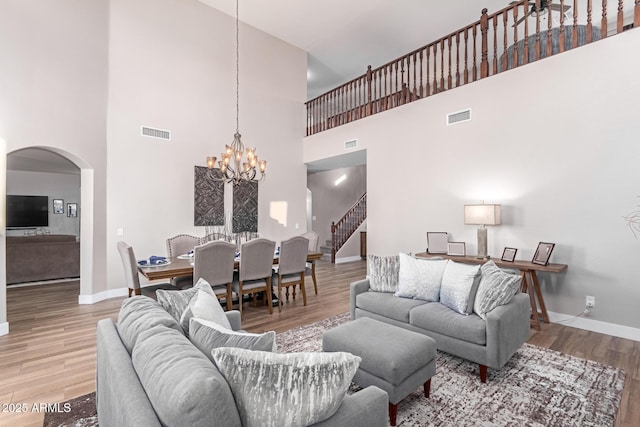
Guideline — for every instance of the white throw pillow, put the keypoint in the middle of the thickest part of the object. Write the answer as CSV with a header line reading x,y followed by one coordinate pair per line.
x,y
208,335
497,287
290,389
204,306
420,278
176,302
383,272
459,286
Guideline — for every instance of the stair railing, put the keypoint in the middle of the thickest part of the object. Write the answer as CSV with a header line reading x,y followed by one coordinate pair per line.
x,y
347,225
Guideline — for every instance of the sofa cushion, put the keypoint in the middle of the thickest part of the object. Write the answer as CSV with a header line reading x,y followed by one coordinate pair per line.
x,y
420,278
204,306
183,386
459,285
138,314
207,335
441,319
387,305
291,389
497,287
383,272
176,302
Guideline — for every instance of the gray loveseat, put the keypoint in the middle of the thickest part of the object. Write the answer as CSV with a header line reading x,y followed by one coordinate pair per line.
x,y
179,385
45,257
490,342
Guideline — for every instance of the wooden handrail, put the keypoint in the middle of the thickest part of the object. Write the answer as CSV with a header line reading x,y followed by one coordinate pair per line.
x,y
471,53
347,225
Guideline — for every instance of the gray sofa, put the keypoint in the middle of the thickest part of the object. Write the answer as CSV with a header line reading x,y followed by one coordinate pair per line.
x,y
45,257
489,343
184,385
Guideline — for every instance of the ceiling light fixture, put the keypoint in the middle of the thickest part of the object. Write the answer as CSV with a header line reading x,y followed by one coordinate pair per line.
x,y
232,168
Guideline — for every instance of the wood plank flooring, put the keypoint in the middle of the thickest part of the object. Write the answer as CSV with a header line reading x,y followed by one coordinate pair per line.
x,y
49,354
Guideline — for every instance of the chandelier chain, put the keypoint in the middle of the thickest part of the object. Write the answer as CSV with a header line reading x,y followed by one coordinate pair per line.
x,y
237,68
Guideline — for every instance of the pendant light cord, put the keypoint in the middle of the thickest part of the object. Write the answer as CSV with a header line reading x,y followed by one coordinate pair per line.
x,y
237,70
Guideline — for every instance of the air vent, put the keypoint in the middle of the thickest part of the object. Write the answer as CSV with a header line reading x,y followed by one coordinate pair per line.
x,y
156,133
351,144
459,117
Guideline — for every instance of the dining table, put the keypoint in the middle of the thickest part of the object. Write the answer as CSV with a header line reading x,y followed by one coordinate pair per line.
x,y
181,266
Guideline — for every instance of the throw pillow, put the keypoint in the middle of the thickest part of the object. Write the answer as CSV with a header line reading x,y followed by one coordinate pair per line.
x,y
176,302
291,389
204,306
497,287
207,335
459,286
420,278
383,273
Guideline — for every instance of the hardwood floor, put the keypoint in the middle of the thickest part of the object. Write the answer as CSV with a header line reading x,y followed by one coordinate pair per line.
x,y
49,354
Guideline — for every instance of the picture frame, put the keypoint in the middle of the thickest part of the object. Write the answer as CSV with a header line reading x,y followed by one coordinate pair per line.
x,y
543,253
437,242
509,254
72,210
58,206
456,249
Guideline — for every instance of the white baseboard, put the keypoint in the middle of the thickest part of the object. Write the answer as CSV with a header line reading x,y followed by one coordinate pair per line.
x,y
596,326
4,328
347,259
112,293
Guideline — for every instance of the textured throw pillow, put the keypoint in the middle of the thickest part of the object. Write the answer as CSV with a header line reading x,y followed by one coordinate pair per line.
x,y
497,287
176,302
459,286
383,273
291,389
207,335
204,306
420,278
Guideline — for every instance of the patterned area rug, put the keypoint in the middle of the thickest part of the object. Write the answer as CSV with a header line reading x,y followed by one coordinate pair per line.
x,y
537,387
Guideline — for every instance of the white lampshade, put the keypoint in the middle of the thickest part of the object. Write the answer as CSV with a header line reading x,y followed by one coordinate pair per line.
x,y
482,214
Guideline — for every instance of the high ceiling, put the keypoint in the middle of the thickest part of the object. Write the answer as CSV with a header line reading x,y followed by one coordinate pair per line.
x,y
342,37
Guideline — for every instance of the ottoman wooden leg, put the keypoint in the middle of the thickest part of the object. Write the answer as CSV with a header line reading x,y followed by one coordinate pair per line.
x,y
427,388
393,413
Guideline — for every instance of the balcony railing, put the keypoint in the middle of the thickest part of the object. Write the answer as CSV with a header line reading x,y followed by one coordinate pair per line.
x,y
522,32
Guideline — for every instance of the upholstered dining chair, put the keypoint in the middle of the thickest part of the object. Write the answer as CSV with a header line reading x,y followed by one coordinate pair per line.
x,y
310,270
254,275
291,267
180,245
131,274
214,263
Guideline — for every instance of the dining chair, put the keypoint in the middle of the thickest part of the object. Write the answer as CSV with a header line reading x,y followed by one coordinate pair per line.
x,y
213,262
254,275
180,245
291,267
131,278
310,269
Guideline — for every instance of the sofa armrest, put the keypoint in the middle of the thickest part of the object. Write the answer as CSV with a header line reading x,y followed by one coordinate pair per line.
x,y
366,408
357,288
507,329
233,316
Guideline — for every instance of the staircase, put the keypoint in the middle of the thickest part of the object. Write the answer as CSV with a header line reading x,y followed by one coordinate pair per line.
x,y
345,227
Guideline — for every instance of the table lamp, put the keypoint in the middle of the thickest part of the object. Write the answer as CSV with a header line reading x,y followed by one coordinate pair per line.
x,y
482,215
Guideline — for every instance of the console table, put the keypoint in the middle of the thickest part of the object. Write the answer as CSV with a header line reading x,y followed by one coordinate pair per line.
x,y
528,272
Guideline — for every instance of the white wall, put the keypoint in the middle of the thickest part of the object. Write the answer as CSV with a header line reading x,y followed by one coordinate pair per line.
x,y
555,142
172,66
54,185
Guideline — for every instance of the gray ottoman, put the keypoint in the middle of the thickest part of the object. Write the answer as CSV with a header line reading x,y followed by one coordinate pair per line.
x,y
394,359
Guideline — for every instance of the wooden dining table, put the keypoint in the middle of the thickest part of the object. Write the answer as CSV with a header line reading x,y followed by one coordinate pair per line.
x,y
184,267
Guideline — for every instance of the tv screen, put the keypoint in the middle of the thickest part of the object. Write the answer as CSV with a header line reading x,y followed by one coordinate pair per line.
x,y
27,211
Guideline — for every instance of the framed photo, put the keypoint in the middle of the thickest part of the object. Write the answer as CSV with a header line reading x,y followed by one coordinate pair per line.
x,y
58,206
72,210
456,249
437,242
543,253
509,254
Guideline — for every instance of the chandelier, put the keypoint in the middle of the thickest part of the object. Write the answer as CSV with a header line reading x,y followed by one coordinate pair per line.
x,y
231,165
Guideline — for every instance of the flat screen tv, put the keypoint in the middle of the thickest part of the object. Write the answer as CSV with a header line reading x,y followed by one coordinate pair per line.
x,y
27,211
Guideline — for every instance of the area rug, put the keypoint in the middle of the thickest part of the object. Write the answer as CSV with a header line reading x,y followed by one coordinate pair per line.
x,y
537,387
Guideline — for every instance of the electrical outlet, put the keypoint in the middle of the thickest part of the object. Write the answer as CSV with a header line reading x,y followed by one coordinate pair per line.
x,y
591,301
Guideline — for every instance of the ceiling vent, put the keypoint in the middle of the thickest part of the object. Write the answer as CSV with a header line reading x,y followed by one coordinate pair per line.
x,y
459,117
156,133
351,144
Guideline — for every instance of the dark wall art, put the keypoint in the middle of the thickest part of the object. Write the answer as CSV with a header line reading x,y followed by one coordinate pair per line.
x,y
245,207
208,197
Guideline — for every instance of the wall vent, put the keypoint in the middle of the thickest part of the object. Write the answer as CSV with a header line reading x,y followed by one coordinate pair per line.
x,y
350,144
156,133
459,117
